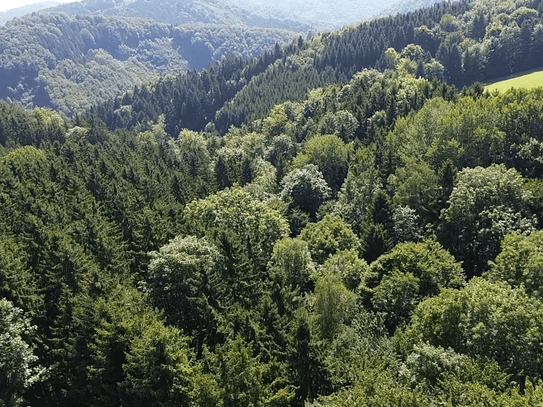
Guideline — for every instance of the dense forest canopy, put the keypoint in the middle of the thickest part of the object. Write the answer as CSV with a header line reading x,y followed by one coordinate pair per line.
x,y
371,235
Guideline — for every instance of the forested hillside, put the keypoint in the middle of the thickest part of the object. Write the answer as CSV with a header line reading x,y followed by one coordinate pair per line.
x,y
458,42
102,48
178,12
295,15
69,63
8,15
373,237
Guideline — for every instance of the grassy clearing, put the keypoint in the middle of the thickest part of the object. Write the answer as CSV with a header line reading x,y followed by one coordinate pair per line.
x,y
530,80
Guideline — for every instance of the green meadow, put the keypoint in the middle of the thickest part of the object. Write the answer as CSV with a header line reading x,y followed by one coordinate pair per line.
x,y
528,80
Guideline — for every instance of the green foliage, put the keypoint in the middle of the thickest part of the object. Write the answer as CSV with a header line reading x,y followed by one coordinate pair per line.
x,y
519,263
375,390
414,135
328,236
157,368
234,220
17,285
205,390
376,232
280,153
20,127
194,158
534,192
305,189
333,305
342,124
485,205
457,379
312,377
241,377
231,311
19,367
347,265
330,154
184,279
74,62
354,202
417,185
428,261
470,117
290,264
427,366
134,358
408,274
396,296
406,225
483,319
78,218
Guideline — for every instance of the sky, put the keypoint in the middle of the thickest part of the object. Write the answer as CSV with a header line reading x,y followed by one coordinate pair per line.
x,y
6,5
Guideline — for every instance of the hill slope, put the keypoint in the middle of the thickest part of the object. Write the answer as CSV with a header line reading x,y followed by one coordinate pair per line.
x,y
82,54
72,62
459,42
249,91
6,16
298,15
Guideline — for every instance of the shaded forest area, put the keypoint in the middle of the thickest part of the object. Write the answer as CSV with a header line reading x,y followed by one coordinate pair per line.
x,y
375,240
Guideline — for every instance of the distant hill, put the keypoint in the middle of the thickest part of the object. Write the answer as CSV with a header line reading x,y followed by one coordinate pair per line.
x,y
457,42
405,6
72,62
298,15
6,16
333,14
178,12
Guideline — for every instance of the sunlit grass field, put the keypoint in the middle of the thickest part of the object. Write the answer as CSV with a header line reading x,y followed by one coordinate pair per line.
x,y
528,80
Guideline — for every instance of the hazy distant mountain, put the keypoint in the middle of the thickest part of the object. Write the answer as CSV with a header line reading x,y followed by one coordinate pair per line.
x,y
332,14
5,16
178,12
405,6
299,15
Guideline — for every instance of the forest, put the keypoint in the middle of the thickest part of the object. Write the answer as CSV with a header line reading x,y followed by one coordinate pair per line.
x,y
71,62
455,42
326,225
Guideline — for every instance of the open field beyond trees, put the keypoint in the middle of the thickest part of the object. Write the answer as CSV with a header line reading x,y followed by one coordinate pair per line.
x,y
529,80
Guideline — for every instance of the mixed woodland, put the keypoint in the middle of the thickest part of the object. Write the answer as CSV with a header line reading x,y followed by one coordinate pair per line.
x,y
70,62
349,220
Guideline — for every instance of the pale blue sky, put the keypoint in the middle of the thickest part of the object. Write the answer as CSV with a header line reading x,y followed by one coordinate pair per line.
x,y
6,5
